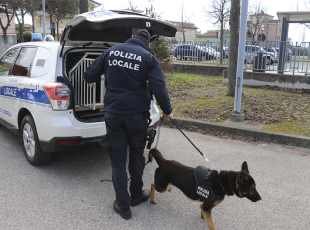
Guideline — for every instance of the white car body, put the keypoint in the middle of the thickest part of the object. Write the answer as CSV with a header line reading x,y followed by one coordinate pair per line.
x,y
62,111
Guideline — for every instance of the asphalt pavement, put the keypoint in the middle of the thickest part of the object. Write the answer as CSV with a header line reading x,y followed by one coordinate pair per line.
x,y
70,191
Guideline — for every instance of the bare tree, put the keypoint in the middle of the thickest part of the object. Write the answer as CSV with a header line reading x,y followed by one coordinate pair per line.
x,y
7,9
20,11
83,6
234,22
132,6
33,7
218,12
152,13
184,17
257,16
65,9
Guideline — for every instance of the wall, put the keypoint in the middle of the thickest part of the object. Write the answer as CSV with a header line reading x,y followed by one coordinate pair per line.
x,y
249,77
199,69
190,35
273,79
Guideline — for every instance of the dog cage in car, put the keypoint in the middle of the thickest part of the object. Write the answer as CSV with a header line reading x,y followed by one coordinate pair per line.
x,y
86,95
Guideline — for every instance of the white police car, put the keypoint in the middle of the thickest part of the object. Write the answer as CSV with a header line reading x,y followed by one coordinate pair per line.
x,y
43,96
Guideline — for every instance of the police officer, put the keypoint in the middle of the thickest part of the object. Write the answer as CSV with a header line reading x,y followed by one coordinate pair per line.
x,y
127,67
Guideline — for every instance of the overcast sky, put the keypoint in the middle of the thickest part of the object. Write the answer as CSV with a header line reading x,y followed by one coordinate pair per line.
x,y
170,9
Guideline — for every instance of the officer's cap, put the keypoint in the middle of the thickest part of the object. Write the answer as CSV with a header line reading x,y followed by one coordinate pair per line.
x,y
145,35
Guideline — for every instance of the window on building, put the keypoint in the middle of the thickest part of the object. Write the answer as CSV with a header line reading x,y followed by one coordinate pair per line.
x,y
268,26
267,34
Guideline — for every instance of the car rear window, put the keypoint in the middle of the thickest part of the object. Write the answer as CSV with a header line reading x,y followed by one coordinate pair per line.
x,y
24,61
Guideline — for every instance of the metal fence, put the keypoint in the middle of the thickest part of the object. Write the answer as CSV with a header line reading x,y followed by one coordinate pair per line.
x,y
199,52
260,56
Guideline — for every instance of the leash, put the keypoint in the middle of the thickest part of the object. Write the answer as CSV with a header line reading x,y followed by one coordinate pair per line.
x,y
195,146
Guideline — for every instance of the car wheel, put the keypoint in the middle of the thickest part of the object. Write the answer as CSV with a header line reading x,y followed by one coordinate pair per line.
x,y
179,57
31,145
268,61
202,58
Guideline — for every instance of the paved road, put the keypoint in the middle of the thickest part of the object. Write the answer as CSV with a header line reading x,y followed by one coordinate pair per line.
x,y
68,193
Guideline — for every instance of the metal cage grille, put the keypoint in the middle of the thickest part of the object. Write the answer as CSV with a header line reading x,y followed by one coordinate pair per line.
x,y
85,94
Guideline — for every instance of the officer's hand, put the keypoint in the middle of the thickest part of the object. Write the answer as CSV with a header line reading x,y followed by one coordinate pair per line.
x,y
168,117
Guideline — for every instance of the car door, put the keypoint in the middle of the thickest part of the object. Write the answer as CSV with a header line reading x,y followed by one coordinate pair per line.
x,y
15,91
6,64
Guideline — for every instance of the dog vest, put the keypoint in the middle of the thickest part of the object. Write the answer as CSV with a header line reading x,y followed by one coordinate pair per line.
x,y
203,184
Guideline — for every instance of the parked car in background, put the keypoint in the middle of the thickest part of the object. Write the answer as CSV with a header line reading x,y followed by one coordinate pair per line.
x,y
213,53
252,51
191,52
225,51
272,52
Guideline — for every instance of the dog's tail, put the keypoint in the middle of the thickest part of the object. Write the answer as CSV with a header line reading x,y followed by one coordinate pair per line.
x,y
154,153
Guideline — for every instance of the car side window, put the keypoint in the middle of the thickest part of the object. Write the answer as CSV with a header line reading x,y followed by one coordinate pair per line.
x,y
23,62
7,61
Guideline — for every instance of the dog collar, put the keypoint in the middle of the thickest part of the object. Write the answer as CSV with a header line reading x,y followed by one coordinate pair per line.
x,y
203,184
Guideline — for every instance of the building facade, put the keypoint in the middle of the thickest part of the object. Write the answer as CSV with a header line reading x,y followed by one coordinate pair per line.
x,y
38,21
11,32
213,36
263,23
190,31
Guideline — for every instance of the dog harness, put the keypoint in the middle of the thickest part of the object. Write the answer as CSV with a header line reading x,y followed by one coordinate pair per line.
x,y
203,184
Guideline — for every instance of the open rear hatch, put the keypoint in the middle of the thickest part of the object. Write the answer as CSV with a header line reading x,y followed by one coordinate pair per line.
x,y
90,34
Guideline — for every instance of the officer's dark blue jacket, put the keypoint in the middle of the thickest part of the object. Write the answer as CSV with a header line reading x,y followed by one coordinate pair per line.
x,y
126,67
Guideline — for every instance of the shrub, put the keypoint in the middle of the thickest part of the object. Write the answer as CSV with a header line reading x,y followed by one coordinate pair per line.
x,y
160,49
27,37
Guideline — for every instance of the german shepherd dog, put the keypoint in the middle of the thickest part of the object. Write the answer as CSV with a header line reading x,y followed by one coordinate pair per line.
x,y
228,183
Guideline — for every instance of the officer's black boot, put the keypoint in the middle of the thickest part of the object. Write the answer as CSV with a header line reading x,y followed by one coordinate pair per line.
x,y
145,195
124,213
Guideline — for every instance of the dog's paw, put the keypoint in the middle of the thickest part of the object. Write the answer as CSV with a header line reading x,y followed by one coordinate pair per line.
x,y
153,201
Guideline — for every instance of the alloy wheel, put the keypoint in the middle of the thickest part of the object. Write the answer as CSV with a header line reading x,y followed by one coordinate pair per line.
x,y
29,142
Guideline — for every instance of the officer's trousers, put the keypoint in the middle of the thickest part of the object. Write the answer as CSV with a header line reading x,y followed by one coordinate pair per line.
x,y
120,127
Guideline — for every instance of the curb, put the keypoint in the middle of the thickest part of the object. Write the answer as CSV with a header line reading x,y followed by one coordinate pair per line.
x,y
267,136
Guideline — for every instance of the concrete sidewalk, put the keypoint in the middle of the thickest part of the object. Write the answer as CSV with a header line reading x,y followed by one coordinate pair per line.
x,y
245,129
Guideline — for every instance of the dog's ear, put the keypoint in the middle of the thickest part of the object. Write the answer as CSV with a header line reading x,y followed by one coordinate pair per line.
x,y
242,178
244,167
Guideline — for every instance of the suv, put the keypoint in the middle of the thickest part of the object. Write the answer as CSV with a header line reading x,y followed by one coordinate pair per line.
x,y
273,53
252,51
191,52
43,96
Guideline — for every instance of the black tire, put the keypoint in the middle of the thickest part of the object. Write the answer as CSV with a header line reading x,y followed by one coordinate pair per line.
x,y
179,57
268,61
202,58
31,146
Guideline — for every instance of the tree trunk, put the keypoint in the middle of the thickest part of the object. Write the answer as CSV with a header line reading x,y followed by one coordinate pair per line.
x,y
32,17
233,45
222,41
4,29
83,6
57,30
